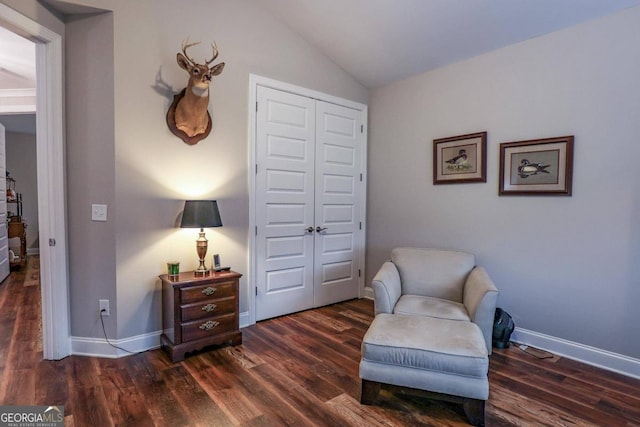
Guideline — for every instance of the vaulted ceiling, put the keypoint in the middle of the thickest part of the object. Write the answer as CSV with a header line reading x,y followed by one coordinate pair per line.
x,y
376,41
380,41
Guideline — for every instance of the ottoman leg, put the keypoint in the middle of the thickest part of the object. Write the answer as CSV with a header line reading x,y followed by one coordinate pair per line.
x,y
474,410
370,390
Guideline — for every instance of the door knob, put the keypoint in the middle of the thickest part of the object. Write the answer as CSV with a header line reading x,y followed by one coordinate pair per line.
x,y
320,229
309,229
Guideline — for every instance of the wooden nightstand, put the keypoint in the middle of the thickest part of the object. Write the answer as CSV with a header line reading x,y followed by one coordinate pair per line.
x,y
199,311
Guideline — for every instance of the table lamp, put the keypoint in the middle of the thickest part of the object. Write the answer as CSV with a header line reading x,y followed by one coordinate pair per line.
x,y
201,214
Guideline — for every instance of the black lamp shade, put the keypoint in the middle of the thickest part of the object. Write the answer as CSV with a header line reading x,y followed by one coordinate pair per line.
x,y
200,214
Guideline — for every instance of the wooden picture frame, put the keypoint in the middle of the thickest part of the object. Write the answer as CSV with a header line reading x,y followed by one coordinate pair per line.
x,y
539,167
460,159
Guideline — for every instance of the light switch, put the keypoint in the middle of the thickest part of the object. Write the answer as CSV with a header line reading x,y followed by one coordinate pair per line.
x,y
98,212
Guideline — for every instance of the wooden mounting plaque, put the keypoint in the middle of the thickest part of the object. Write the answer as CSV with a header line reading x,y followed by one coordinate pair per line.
x,y
171,122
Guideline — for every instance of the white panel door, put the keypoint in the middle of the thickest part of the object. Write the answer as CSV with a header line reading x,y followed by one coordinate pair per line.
x,y
339,141
284,203
4,241
308,195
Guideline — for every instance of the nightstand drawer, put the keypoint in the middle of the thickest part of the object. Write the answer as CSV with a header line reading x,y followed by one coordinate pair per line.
x,y
207,327
214,290
207,308
199,311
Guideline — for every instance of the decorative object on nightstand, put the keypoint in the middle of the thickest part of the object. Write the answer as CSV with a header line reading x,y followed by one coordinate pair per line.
x,y
201,214
216,264
173,269
199,312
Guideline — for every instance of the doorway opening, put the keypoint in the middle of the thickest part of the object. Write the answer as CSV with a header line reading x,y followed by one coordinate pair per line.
x,y
51,180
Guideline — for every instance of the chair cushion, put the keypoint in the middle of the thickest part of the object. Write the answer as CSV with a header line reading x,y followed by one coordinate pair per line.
x,y
418,305
426,343
433,272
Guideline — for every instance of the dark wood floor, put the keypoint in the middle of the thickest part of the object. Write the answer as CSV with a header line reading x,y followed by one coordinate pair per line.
x,y
297,370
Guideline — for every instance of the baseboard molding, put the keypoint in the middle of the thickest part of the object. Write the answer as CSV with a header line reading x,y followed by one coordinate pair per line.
x,y
99,347
33,251
604,359
624,365
244,320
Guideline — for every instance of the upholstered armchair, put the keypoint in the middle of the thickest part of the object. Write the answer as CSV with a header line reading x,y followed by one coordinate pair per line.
x,y
436,283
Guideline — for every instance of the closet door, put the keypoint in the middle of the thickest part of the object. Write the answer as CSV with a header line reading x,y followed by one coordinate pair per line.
x,y
284,203
339,141
308,202
4,241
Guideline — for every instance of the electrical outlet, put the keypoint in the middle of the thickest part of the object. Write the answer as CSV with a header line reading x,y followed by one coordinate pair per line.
x,y
104,305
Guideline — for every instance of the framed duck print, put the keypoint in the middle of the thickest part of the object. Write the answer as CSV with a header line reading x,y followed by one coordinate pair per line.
x,y
537,167
460,159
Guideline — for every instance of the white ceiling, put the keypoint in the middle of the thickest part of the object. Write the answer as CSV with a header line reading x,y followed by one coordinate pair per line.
x,y
17,73
17,61
380,41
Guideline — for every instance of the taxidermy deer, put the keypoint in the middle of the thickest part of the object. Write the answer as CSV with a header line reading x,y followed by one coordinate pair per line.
x,y
191,115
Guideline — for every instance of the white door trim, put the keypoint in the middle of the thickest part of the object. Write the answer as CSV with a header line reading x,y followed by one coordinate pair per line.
x,y
51,181
254,82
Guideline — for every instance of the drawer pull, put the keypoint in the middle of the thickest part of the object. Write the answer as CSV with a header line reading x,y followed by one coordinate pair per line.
x,y
209,308
209,325
208,291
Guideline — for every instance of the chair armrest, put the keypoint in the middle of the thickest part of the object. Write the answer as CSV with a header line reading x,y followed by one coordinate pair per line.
x,y
386,288
480,297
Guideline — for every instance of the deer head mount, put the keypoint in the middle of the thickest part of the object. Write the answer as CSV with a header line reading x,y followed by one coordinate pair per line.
x,y
188,117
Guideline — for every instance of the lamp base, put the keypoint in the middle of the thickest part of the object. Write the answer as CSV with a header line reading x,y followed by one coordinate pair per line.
x,y
202,273
201,248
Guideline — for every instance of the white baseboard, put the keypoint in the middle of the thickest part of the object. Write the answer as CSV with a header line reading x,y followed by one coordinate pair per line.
x,y
604,359
99,347
244,319
33,251
368,292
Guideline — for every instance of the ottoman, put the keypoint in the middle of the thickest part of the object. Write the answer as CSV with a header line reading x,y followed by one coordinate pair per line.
x,y
445,357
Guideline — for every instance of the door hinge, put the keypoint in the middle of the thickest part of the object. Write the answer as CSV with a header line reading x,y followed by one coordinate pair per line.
x,y
52,242
361,128
256,106
256,291
359,272
256,168
256,230
360,225
360,177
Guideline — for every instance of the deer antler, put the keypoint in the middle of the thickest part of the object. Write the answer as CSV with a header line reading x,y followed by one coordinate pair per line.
x,y
186,45
215,53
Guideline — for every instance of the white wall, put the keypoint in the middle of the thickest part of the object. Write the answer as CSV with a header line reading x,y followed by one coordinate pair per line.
x,y
568,267
121,75
155,171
